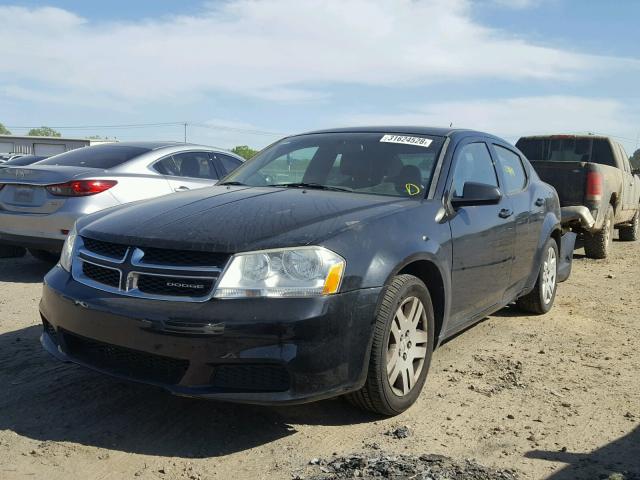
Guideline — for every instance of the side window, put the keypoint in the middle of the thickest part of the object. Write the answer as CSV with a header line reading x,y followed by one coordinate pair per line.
x,y
473,164
229,164
195,165
167,166
515,177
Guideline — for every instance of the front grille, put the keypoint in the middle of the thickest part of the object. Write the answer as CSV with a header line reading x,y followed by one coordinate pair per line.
x,y
174,286
251,378
106,249
148,272
183,258
126,362
106,276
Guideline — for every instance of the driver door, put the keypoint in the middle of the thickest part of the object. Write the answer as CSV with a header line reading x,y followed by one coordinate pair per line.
x,y
483,238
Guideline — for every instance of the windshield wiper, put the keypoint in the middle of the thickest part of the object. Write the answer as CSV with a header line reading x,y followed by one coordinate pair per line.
x,y
234,183
314,186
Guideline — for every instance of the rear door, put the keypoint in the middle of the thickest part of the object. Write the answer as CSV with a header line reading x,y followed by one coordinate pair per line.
x,y
628,201
483,237
528,215
188,170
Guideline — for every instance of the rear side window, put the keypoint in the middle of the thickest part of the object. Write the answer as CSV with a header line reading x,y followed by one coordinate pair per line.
x,y
188,164
229,164
515,177
473,164
99,156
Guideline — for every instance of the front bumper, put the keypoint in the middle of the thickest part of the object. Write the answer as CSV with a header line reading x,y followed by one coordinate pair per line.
x,y
264,351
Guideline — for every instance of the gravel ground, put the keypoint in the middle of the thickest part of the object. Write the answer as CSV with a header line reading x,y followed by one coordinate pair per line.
x,y
554,397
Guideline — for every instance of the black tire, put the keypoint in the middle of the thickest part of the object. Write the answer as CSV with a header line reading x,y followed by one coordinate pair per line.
x,y
9,251
378,395
630,233
45,256
598,245
540,299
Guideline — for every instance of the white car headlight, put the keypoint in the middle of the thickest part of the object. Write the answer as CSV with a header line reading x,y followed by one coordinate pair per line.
x,y
66,257
287,272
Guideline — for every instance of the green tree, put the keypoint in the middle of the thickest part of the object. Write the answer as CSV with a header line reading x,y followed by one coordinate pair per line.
x,y
244,151
43,132
3,130
635,160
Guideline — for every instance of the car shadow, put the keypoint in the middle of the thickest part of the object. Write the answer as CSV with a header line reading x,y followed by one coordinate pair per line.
x,y
26,269
622,456
47,400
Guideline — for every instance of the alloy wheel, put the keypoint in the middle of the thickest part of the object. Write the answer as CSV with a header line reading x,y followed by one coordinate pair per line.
x,y
549,273
407,346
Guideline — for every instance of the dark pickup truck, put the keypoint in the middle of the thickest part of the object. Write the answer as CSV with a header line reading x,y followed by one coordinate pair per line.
x,y
598,188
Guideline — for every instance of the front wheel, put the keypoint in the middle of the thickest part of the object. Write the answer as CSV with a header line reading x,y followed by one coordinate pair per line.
x,y
403,341
541,298
630,233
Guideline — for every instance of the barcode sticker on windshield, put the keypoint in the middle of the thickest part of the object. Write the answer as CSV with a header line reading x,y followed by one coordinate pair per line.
x,y
406,140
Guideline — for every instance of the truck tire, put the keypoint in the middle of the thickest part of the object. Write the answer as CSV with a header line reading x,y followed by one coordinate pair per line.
x,y
541,298
9,251
598,244
403,339
630,233
45,256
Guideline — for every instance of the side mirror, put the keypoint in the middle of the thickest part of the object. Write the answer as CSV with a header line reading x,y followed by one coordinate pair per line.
x,y
477,194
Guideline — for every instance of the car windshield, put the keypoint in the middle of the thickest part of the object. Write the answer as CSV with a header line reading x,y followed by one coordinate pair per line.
x,y
98,156
391,164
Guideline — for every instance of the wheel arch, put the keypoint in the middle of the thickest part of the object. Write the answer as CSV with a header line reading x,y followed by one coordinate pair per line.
x,y
428,272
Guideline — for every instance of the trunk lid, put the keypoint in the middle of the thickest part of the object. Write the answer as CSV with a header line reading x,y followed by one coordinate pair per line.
x,y
24,187
568,178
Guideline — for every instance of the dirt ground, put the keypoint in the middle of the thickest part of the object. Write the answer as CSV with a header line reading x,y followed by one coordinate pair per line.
x,y
556,396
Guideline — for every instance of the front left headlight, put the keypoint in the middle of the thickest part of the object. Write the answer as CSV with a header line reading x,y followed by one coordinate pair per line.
x,y
66,257
288,272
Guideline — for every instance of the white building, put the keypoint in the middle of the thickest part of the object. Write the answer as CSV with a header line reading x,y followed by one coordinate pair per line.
x,y
44,146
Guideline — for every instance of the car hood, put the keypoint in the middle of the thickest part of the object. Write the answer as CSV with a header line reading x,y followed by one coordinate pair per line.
x,y
235,219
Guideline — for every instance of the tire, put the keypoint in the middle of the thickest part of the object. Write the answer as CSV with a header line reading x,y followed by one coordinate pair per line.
x,y
379,394
598,245
630,233
9,251
45,256
541,298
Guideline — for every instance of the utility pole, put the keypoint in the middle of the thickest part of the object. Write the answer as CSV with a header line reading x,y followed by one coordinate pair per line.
x,y
185,132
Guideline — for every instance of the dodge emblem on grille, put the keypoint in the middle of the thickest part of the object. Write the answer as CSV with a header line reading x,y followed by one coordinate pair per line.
x,y
194,286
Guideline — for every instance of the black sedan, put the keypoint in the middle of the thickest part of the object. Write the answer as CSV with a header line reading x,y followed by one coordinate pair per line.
x,y
331,263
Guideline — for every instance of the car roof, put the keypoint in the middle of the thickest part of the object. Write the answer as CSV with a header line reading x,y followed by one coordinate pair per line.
x,y
403,129
148,145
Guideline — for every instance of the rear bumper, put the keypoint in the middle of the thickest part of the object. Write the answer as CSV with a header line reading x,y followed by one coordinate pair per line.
x,y
43,232
578,216
264,351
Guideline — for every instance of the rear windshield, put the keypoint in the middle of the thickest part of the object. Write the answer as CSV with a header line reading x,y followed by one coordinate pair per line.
x,y
98,156
399,165
567,149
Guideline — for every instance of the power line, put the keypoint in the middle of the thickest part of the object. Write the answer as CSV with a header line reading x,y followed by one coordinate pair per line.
x,y
159,124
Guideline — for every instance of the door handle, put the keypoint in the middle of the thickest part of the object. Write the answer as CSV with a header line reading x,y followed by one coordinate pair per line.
x,y
181,188
539,202
505,213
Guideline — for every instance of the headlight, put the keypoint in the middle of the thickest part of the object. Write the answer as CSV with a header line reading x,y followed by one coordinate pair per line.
x,y
288,272
66,257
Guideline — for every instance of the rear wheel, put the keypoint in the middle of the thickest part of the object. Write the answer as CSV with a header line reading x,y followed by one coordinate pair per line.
x,y
541,298
630,233
45,256
598,245
402,346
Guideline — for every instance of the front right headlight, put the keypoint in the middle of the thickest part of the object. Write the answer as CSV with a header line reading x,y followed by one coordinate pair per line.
x,y
66,257
287,272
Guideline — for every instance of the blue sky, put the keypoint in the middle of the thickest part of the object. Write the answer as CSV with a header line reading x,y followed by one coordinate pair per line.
x,y
239,68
